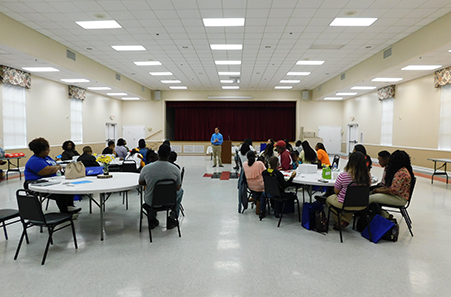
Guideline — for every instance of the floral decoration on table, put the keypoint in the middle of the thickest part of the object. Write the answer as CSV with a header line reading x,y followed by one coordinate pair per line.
x,y
105,160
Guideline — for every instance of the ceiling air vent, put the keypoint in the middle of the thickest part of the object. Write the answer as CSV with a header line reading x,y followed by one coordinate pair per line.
x,y
118,76
343,76
71,55
387,53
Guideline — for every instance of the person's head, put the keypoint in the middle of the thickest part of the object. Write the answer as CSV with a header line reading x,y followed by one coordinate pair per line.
x,y
120,142
399,159
298,143
141,143
270,141
320,146
217,130
87,150
111,144
383,157
172,157
167,142
356,166
250,158
281,145
309,153
246,146
163,152
269,149
134,151
68,145
273,162
295,155
40,147
151,156
360,148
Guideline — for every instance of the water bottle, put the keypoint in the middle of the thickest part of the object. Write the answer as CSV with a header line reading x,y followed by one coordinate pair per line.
x,y
335,168
58,173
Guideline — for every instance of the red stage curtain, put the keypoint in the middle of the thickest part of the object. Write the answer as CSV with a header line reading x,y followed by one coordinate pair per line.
x,y
195,121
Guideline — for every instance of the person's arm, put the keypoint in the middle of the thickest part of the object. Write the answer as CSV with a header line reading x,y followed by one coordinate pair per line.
x,y
401,180
285,161
49,170
220,139
212,140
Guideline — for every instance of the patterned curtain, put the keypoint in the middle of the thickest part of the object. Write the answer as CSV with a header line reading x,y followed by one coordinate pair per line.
x,y
442,77
386,92
77,93
15,77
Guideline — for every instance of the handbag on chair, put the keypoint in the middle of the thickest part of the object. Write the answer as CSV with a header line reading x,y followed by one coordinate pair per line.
x,y
75,170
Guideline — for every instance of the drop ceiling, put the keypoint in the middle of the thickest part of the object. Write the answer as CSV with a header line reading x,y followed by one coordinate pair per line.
x,y
276,35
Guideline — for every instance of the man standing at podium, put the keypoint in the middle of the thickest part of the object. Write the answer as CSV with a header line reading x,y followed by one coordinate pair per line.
x,y
216,142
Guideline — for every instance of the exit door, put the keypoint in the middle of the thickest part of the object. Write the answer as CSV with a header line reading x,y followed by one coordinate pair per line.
x,y
353,136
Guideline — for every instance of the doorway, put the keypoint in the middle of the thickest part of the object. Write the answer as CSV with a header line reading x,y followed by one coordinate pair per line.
x,y
353,136
110,132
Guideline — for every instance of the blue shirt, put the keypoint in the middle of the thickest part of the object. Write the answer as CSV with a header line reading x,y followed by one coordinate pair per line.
x,y
36,164
217,136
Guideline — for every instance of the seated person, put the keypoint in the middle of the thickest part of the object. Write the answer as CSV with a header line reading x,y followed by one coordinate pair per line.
x,y
295,158
151,156
173,158
242,151
286,163
288,145
137,157
121,150
272,171
109,150
354,171
40,165
268,153
69,150
298,146
154,172
308,155
362,149
87,158
143,148
395,186
384,158
253,171
323,157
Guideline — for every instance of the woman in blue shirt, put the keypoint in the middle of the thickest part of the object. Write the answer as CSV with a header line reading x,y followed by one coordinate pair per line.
x,y
40,165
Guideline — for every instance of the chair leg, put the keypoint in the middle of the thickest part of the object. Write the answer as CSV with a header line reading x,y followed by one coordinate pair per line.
x,y
47,245
281,215
182,210
339,226
299,210
406,217
368,224
178,227
328,220
47,204
141,219
4,230
20,242
73,233
148,225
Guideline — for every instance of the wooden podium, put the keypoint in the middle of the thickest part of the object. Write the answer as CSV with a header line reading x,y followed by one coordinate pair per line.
x,y
226,154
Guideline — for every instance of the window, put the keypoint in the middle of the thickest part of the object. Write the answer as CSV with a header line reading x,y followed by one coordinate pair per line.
x,y
387,122
76,120
14,117
444,133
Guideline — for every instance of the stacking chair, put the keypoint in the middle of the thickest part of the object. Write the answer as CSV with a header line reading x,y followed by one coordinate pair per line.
x,y
182,174
30,211
164,199
6,215
272,191
335,161
356,196
403,209
129,166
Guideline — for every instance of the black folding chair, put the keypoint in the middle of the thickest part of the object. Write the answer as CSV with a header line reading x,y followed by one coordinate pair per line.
x,y
403,209
272,191
30,211
335,161
356,196
164,199
182,175
6,215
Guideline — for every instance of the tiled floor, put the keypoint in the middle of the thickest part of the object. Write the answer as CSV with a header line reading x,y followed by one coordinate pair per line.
x,y
223,253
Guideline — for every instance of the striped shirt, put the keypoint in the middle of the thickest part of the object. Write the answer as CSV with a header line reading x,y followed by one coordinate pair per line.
x,y
342,182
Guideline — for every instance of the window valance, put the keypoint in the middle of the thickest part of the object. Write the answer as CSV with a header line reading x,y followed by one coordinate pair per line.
x,y
386,92
77,93
15,77
442,77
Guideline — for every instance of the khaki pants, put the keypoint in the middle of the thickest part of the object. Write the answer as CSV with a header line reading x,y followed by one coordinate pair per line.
x,y
388,200
345,217
217,150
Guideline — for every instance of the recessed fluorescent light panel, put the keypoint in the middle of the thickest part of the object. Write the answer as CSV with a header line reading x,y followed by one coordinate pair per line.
x,y
99,25
298,73
148,63
387,79
130,98
421,67
353,22
228,62
346,94
40,69
223,22
283,87
116,94
99,88
308,62
226,47
228,73
178,88
125,48
230,87
74,80
171,81
290,81
226,81
333,98
363,88
160,73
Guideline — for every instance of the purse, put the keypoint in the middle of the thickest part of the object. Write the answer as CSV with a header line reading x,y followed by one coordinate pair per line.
x,y
75,170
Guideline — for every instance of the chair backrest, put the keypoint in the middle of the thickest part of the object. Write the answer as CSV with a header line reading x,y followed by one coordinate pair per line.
x,y
412,186
336,161
271,186
182,174
238,159
164,192
29,206
129,166
356,196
